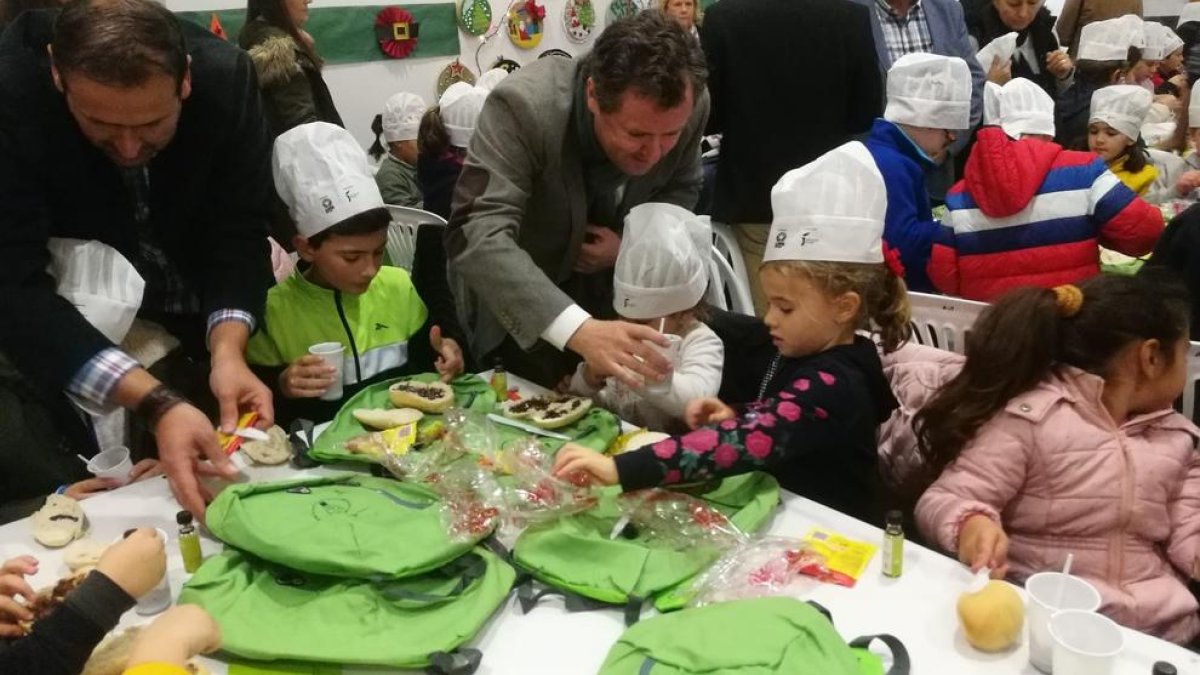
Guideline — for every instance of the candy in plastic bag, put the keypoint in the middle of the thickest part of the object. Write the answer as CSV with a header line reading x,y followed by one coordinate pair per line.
x,y
532,493
675,520
468,499
759,567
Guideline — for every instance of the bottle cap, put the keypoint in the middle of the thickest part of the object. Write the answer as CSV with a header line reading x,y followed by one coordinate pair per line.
x,y
499,363
183,518
894,517
1163,668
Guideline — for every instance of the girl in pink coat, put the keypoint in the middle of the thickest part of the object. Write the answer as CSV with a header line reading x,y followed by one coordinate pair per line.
x,y
1058,437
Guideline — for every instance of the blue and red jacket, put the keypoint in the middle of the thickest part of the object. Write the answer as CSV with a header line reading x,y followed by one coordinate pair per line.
x,y
908,224
1028,213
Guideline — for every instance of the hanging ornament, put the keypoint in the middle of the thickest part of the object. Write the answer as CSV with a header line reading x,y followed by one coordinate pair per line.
x,y
474,16
396,32
526,20
507,65
579,20
214,27
455,72
554,52
621,9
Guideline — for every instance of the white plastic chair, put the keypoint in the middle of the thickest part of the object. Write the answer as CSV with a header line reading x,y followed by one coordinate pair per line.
x,y
402,234
725,289
1193,376
943,322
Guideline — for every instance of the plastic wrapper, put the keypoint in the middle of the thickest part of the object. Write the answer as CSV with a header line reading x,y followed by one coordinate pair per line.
x,y
471,432
532,493
760,567
468,499
675,520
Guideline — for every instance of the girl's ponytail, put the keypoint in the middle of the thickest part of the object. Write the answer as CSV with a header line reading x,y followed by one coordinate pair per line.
x,y
891,313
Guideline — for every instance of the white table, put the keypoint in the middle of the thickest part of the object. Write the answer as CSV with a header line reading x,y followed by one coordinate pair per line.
x,y
918,607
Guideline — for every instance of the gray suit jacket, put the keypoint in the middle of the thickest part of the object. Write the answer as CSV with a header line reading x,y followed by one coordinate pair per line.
x,y
520,207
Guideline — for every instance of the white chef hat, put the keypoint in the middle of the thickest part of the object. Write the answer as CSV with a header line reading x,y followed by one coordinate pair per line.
x,y
1110,40
323,176
991,103
662,267
1189,13
1122,107
491,78
1194,112
1002,48
1025,108
830,209
402,117
926,90
1160,41
100,282
460,105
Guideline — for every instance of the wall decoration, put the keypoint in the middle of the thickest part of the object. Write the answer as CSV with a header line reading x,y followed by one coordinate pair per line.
x,y
620,9
526,21
214,27
554,52
396,32
579,20
508,65
455,72
475,16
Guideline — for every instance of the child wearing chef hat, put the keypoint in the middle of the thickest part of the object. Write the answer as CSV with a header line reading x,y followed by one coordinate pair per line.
x,y
928,104
397,175
341,292
827,275
1110,52
442,141
659,280
1115,131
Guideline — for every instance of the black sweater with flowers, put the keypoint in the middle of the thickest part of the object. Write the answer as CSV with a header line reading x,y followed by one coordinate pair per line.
x,y
814,430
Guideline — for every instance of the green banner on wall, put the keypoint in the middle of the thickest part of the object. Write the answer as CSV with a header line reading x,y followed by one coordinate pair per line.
x,y
347,34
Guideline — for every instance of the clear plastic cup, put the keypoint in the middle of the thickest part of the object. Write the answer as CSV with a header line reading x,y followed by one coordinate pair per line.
x,y
1043,590
334,354
1085,643
671,354
113,463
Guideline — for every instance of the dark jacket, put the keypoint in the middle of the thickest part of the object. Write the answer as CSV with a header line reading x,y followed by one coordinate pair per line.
x,y
909,226
814,429
293,90
772,121
208,195
984,25
436,178
1071,113
1179,250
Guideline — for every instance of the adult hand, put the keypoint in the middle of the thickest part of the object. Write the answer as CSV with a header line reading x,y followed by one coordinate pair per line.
x,y
12,584
179,634
983,543
136,563
236,389
703,412
599,252
1189,181
572,459
449,363
307,377
1059,64
185,439
1000,72
620,349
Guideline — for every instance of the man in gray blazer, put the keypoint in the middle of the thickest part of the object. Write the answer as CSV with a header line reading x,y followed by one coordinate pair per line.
x,y
562,151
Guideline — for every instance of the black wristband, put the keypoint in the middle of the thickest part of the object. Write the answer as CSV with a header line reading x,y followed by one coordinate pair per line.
x,y
156,404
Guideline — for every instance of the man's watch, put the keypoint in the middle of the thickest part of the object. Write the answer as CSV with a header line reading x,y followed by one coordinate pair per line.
x,y
156,404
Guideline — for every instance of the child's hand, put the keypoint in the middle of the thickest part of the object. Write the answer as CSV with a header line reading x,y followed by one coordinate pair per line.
x,y
982,543
705,411
308,377
136,563
181,633
449,362
12,584
90,488
1189,181
147,468
574,458
1000,72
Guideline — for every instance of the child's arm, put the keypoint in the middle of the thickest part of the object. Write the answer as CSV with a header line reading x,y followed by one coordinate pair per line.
x,y
1127,224
697,375
1183,544
165,646
943,260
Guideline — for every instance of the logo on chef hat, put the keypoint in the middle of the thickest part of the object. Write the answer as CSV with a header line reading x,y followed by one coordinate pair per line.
x,y
327,204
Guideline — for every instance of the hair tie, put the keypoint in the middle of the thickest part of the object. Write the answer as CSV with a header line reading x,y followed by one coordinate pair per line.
x,y
1069,300
891,258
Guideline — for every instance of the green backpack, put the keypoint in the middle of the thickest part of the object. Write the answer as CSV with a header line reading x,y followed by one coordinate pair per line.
x,y
348,525
759,636
268,612
577,557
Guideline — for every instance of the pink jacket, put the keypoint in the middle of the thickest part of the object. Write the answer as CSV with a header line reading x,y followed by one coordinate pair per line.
x,y
1061,477
915,372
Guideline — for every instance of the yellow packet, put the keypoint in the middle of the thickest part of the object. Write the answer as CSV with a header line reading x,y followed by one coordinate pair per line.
x,y
396,441
845,558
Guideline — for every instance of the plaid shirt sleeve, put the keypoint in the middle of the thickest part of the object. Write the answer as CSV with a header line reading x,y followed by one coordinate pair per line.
x,y
97,379
223,315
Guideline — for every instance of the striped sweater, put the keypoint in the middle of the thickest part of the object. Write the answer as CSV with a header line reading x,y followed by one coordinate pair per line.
x,y
1028,213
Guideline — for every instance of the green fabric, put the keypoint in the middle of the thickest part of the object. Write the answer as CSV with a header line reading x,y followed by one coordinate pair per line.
x,y
869,662
283,669
347,34
267,612
470,391
596,430
575,554
349,525
759,636
397,182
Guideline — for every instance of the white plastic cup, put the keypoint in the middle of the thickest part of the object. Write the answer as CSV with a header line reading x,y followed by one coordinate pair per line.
x,y
671,354
157,599
334,354
1043,591
1085,643
113,463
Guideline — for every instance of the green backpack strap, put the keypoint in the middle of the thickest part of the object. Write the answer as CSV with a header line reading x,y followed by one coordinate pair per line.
x,y
457,662
469,569
528,597
901,664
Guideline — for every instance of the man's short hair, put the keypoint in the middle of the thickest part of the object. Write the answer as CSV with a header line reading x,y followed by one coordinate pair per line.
x,y
649,54
119,43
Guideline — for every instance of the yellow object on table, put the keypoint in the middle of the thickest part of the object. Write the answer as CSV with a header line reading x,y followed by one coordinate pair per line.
x,y
991,617
845,558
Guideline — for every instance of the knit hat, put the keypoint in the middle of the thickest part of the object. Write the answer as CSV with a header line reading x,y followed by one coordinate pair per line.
x,y
323,176
1110,40
402,117
1024,108
491,78
1160,42
830,210
1189,13
460,107
662,267
1122,107
926,90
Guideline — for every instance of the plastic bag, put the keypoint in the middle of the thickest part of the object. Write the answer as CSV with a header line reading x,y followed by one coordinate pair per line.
x,y
760,567
675,520
532,493
471,432
468,503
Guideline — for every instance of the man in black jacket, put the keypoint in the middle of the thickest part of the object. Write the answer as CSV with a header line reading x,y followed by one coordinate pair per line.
x,y
789,82
119,125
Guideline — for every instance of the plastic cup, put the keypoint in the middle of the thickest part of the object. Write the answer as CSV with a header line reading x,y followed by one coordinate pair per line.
x,y
158,598
671,353
1043,590
334,354
1085,643
113,464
